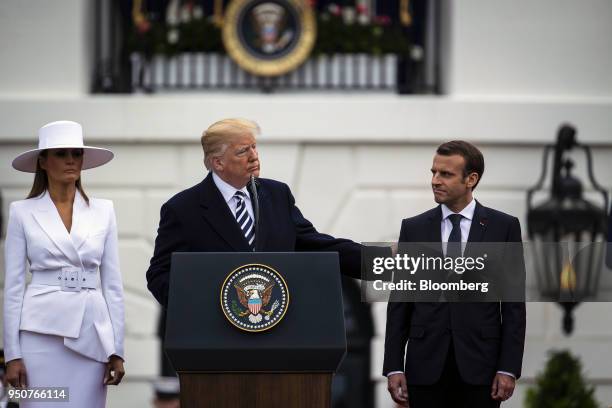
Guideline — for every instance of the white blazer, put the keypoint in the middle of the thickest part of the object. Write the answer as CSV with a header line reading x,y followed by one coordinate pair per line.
x,y
90,320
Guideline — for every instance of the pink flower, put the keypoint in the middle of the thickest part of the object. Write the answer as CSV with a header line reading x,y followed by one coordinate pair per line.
x,y
362,9
334,9
382,20
143,26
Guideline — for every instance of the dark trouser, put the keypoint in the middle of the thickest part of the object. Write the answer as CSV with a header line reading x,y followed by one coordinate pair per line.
x,y
451,390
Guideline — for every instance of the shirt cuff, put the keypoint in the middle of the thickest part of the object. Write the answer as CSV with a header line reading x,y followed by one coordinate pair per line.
x,y
507,373
389,374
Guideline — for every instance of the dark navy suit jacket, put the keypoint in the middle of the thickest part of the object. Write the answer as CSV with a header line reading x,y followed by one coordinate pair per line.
x,y
199,220
487,337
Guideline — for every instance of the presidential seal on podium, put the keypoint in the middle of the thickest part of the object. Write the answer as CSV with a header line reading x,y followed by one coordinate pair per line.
x,y
254,297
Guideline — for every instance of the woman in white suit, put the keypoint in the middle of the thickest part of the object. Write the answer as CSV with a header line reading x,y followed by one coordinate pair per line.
x,y
66,328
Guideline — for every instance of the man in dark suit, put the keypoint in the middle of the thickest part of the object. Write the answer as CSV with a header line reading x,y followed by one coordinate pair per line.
x,y
218,214
459,354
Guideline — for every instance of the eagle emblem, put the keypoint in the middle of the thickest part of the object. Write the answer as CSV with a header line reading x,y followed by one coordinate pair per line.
x,y
254,292
254,297
269,20
269,38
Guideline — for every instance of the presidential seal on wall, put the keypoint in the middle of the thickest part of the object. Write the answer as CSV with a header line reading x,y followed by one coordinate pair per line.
x,y
269,37
254,297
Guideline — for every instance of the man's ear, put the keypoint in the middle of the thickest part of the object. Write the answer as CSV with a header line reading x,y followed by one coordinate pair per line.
x,y
472,179
217,163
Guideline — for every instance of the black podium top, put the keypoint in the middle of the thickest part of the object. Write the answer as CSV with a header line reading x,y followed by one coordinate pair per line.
x,y
310,336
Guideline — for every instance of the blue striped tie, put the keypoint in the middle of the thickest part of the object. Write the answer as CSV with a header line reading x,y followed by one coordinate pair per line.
x,y
244,219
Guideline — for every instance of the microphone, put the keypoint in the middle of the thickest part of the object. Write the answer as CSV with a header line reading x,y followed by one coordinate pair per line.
x,y
253,188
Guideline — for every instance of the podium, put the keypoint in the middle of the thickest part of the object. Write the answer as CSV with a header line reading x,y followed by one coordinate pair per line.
x,y
222,365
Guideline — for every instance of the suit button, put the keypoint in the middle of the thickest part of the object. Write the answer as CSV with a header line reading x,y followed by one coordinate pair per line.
x,y
71,279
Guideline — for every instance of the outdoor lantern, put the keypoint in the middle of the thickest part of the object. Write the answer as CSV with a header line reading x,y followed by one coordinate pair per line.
x,y
566,230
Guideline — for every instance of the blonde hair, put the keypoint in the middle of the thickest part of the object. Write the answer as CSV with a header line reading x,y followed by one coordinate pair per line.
x,y
219,135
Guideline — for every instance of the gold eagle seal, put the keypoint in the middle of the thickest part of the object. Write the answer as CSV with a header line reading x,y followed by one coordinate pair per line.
x,y
254,297
269,37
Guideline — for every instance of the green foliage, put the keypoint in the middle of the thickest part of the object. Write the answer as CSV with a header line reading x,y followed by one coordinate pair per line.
x,y
235,308
334,36
149,42
199,36
561,385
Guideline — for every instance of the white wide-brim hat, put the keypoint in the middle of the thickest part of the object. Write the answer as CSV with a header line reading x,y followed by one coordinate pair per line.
x,y
62,134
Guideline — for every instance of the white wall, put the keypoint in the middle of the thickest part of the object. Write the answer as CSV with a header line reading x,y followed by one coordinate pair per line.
x,y
526,48
510,84
45,48
356,117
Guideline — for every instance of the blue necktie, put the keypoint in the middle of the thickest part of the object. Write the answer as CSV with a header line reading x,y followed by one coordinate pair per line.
x,y
244,219
453,247
453,250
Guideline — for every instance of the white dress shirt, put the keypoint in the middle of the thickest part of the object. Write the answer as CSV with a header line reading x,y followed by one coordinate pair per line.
x,y
228,192
446,228
465,224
